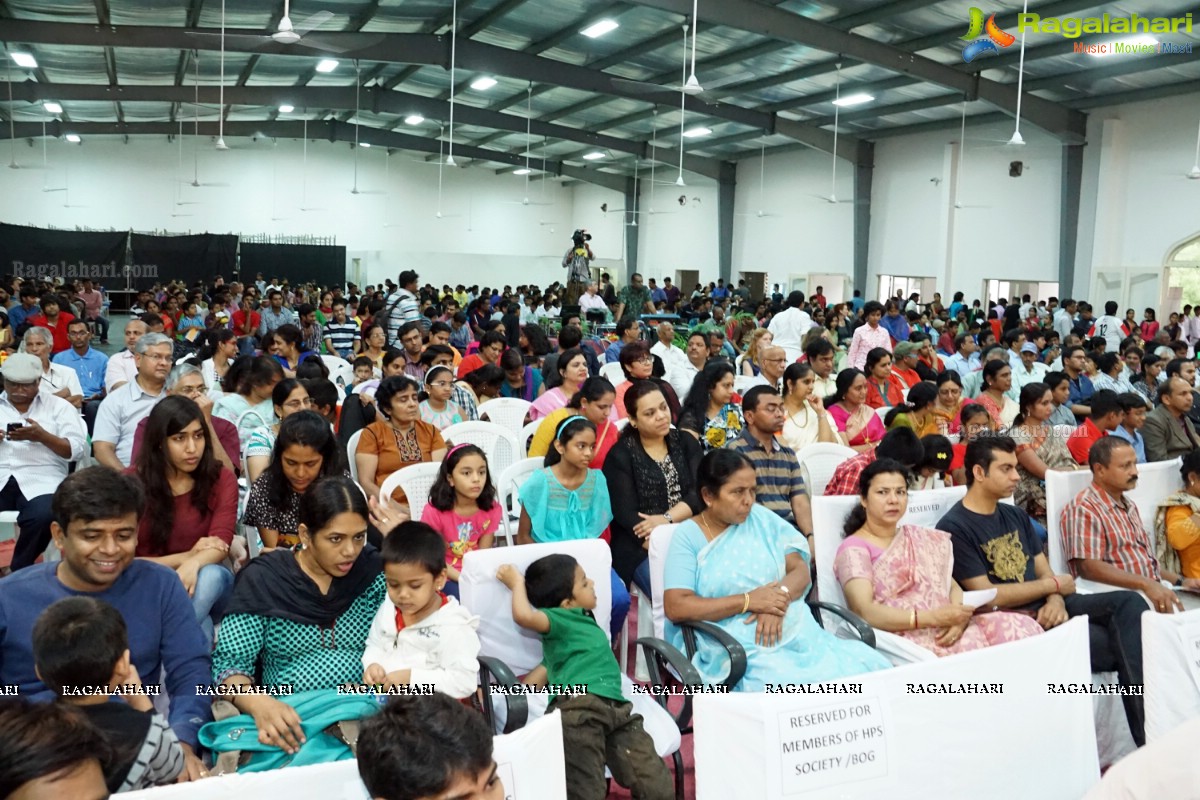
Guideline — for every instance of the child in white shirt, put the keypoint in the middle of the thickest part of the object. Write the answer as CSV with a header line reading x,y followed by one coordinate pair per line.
x,y
420,636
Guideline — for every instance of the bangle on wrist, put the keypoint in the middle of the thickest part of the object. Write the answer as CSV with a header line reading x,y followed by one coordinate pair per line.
x,y
746,605
1057,588
914,619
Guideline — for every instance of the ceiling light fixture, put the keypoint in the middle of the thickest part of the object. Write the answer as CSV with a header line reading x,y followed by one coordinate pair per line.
x,y
854,99
413,119
595,156
52,107
23,60
696,133
286,109
483,84
73,138
600,28
365,144
327,65
522,171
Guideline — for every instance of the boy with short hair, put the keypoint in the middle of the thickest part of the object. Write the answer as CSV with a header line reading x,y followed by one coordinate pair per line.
x,y
428,748
82,642
556,598
420,636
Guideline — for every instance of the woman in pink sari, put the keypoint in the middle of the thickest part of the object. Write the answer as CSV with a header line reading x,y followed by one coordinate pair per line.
x,y
573,370
898,577
857,423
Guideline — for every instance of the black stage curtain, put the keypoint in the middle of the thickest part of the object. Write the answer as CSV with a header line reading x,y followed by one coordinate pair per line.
x,y
200,257
40,253
324,265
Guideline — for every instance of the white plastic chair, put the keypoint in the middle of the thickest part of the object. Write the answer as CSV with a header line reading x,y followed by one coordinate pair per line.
x,y
508,487
525,437
829,514
521,649
614,373
509,412
1155,481
339,370
497,442
818,462
416,481
351,449
882,412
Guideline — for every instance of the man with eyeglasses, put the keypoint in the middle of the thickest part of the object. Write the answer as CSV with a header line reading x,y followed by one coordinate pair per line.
x,y
123,409
89,365
40,434
774,362
187,380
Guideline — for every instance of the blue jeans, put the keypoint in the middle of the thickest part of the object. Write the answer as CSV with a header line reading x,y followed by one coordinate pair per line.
x,y
214,585
641,577
620,604
101,324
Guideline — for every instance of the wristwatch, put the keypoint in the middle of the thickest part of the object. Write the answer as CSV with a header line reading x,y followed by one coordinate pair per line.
x,y
667,516
1179,581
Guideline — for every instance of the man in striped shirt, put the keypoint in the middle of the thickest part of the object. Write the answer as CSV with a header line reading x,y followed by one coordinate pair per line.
x,y
341,333
401,307
1103,536
780,482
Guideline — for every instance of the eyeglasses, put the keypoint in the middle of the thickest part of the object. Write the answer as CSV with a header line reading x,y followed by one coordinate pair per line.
x,y
155,357
440,384
646,360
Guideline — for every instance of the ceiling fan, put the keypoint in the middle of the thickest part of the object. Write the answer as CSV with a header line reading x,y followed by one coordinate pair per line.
x,y
962,141
525,201
832,196
762,178
288,33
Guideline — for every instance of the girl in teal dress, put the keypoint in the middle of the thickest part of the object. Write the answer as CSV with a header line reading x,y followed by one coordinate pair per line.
x,y
740,567
570,501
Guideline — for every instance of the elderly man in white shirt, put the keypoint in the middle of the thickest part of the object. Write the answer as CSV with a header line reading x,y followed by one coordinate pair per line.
x,y
591,300
40,435
57,379
684,374
1029,370
121,366
789,326
672,357
122,410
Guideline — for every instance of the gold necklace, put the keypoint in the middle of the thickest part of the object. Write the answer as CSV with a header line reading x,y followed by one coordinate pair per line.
x,y
804,408
704,523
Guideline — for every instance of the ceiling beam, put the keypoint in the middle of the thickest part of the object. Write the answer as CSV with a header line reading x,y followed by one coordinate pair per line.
x,y
423,49
1136,95
311,98
747,15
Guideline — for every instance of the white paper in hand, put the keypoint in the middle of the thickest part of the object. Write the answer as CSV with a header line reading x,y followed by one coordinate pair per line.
x,y
978,597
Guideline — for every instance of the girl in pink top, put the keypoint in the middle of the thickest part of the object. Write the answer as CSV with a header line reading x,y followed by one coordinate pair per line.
x,y
462,508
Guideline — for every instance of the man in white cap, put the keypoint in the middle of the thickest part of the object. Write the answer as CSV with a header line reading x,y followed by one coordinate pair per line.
x,y
40,435
1030,370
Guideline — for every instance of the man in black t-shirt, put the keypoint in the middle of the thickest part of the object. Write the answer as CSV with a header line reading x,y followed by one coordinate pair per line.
x,y
995,546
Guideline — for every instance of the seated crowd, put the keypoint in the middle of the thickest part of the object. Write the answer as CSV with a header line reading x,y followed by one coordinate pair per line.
x,y
243,527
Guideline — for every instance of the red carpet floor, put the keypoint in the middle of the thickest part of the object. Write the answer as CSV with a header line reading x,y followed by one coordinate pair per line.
x,y
689,769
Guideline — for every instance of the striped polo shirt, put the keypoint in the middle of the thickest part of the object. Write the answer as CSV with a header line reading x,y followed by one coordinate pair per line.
x,y
778,471
341,335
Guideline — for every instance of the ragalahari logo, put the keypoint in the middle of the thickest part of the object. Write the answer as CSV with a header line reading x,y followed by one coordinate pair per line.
x,y
995,39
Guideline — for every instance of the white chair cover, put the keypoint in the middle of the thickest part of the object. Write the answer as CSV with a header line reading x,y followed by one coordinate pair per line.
x,y
888,741
1171,670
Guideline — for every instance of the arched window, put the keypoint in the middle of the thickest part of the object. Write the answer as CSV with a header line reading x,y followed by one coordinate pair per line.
x,y
1186,255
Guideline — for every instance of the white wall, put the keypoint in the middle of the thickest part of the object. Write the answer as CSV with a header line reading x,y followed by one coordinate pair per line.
x,y
809,235
1007,227
485,237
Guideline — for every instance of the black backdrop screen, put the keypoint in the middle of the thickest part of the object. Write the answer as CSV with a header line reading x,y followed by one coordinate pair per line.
x,y
200,257
33,253
324,265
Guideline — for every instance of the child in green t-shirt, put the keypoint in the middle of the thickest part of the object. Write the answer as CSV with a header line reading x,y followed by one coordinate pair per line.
x,y
556,598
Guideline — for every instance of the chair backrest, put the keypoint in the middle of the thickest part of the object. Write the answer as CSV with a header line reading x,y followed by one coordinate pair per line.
x,y
351,449
1155,481
508,487
817,463
1061,488
416,481
614,373
509,412
660,545
829,515
882,412
525,437
485,596
497,442
341,371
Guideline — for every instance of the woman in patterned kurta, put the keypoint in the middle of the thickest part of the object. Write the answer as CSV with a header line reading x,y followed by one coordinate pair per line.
x,y
898,577
300,618
709,413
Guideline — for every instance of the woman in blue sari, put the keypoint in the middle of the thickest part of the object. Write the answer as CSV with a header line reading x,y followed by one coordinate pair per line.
x,y
741,567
